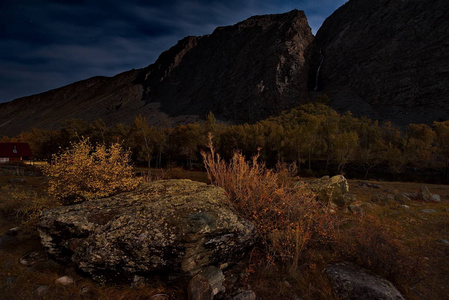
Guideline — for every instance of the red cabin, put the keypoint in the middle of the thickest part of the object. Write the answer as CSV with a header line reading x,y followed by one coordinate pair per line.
x,y
15,152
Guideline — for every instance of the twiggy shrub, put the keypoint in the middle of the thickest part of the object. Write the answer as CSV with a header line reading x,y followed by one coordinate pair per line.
x,y
85,172
287,219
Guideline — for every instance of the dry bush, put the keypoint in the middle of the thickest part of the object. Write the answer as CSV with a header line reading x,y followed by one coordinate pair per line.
x,y
85,172
287,219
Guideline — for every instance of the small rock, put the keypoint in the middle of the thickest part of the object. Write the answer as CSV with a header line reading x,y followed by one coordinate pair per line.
x,y
446,242
436,198
160,297
32,258
425,193
382,198
401,198
13,231
245,295
349,198
352,282
16,180
41,290
429,211
199,288
65,280
215,277
355,209
367,184
405,206
10,280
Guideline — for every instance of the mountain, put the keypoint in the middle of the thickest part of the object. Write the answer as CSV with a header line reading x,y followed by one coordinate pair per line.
x,y
387,59
242,73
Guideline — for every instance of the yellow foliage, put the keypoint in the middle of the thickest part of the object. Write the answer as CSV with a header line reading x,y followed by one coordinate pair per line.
x,y
85,172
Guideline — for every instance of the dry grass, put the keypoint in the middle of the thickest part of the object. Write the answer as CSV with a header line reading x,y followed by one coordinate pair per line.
x,y
402,244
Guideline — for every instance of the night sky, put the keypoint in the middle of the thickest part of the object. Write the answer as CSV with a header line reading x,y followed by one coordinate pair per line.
x,y
48,44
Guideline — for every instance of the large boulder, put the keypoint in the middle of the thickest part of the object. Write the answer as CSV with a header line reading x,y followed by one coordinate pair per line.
x,y
354,283
331,189
171,226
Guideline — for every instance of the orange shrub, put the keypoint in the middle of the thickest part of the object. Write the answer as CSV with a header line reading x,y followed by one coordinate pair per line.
x,y
287,218
85,172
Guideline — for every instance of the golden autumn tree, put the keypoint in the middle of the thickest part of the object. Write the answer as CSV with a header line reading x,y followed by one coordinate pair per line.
x,y
84,172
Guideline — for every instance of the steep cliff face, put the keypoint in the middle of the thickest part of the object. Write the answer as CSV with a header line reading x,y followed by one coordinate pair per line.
x,y
244,72
388,59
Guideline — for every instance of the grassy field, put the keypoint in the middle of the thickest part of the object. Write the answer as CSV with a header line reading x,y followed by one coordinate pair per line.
x,y
406,243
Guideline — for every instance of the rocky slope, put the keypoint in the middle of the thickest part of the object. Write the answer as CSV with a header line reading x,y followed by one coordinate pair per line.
x,y
388,59
242,73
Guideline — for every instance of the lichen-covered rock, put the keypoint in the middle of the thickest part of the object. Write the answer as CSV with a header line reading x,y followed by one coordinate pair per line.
x,y
173,226
351,282
331,189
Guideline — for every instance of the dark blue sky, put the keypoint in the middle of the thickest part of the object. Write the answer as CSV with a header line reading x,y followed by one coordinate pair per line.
x,y
45,44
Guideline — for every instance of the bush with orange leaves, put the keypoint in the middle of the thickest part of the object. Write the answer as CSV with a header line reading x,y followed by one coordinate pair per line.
x,y
84,172
287,218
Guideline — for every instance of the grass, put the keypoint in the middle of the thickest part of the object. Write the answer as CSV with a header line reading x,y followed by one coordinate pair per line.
x,y
401,244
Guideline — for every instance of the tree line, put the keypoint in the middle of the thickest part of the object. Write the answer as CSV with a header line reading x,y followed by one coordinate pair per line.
x,y
313,135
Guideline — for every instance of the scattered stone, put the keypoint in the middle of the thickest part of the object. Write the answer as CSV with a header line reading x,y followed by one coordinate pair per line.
x,y
13,231
160,297
436,198
446,242
199,288
355,209
32,258
331,189
215,277
351,282
16,180
65,280
174,226
245,295
405,206
382,198
41,290
429,211
401,198
10,280
368,184
85,290
427,196
349,198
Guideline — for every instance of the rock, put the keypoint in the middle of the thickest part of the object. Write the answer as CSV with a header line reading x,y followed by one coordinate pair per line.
x,y
355,209
429,211
382,198
445,242
351,282
65,280
160,297
245,295
215,278
401,198
41,290
16,180
32,258
368,184
331,189
199,288
349,198
426,195
405,206
10,280
172,226
436,198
